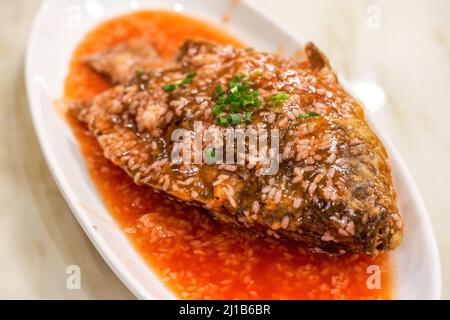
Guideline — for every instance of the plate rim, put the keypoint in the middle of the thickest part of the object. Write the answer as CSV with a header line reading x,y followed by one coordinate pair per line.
x,y
108,254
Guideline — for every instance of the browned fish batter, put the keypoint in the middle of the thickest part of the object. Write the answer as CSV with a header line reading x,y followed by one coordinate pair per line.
x,y
121,61
333,191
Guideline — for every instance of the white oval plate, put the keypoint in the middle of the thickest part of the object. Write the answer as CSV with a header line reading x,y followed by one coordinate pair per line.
x,y
60,25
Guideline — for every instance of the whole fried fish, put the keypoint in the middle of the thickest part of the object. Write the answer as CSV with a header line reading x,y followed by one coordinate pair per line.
x,y
333,189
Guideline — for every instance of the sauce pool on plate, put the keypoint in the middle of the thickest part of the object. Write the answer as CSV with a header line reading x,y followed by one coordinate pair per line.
x,y
196,256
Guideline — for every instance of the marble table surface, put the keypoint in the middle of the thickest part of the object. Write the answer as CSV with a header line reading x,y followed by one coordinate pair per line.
x,y
396,54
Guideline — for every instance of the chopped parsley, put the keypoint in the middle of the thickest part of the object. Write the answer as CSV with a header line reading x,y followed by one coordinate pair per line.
x,y
187,80
238,98
308,115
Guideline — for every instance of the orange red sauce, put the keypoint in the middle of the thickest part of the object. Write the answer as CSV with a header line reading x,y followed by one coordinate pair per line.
x,y
197,257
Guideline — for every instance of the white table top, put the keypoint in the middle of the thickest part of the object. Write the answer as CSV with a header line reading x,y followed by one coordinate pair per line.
x,y
397,54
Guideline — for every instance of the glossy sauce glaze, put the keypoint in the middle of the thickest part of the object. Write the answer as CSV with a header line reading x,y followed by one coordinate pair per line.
x,y
196,256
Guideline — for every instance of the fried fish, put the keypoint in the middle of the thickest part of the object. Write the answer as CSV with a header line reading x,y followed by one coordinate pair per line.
x,y
333,189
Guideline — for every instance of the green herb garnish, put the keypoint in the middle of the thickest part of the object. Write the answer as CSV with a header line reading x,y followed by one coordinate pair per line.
x,y
141,78
276,100
239,97
223,121
211,155
187,80
218,109
281,96
248,117
219,91
308,115
139,73
235,118
169,87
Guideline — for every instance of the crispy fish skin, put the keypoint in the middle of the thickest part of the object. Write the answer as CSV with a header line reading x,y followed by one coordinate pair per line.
x,y
333,191
120,62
